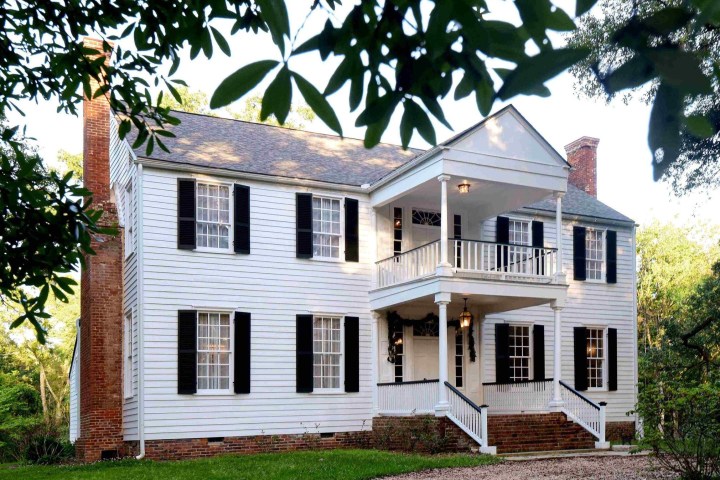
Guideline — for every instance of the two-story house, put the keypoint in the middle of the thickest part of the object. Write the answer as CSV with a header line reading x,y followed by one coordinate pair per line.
x,y
276,289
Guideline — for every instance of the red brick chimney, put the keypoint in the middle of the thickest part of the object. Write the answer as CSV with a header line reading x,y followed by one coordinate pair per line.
x,y
101,288
582,156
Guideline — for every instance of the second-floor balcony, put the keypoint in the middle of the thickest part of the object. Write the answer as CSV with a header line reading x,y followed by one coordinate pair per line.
x,y
473,259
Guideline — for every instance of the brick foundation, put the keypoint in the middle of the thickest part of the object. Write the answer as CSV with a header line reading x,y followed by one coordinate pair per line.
x,y
619,431
421,433
536,432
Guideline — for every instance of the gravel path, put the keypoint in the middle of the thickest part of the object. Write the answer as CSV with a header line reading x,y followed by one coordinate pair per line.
x,y
587,468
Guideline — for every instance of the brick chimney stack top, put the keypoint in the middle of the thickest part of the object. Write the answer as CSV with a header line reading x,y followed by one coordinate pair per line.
x,y
582,157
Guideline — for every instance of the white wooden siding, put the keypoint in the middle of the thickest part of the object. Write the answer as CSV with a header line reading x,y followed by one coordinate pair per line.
x,y
274,286
74,407
122,172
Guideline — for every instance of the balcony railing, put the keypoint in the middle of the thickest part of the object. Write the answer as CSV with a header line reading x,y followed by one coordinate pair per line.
x,y
516,397
404,398
496,260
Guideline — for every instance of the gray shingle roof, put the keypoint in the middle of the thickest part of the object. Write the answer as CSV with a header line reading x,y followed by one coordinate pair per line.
x,y
258,148
248,147
577,202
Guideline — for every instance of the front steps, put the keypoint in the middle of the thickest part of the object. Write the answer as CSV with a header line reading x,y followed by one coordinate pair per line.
x,y
537,433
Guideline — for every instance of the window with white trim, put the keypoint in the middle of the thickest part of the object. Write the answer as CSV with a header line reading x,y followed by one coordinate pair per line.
x,y
519,353
520,236
326,227
128,355
596,357
520,232
327,353
594,254
129,219
213,351
459,358
213,216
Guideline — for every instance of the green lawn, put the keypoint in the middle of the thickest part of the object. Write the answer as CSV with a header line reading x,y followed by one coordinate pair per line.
x,y
315,465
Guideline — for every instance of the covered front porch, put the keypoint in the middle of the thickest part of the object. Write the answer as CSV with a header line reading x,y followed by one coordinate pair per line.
x,y
423,372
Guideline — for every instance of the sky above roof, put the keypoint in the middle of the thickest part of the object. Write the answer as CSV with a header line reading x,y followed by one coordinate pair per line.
x,y
624,161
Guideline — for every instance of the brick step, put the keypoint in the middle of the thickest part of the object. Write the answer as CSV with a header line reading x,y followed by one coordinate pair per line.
x,y
536,433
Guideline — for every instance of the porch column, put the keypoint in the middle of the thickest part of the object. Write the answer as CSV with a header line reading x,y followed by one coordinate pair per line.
x,y
557,401
559,274
374,362
442,300
444,267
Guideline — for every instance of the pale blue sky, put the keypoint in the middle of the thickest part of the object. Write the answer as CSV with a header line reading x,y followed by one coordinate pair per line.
x,y
624,169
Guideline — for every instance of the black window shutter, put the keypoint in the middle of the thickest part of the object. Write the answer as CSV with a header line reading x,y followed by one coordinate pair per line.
x,y
242,352
538,241
304,225
304,353
187,352
612,359
186,214
579,253
502,353
611,255
242,219
581,361
538,352
352,236
502,235
352,354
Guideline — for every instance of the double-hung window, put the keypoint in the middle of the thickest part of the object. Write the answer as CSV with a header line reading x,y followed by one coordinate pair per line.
x,y
326,227
519,353
129,219
594,254
128,355
596,357
214,344
327,353
213,216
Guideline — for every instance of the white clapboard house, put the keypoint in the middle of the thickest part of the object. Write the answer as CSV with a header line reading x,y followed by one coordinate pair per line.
x,y
277,282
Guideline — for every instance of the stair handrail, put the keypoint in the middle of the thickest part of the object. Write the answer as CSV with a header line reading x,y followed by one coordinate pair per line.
x,y
593,423
478,431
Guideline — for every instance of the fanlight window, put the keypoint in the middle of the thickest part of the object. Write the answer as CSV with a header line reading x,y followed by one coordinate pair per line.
x,y
424,217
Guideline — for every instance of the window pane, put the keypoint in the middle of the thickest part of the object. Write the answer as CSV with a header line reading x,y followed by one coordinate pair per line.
x,y
213,216
519,353
327,351
326,227
213,357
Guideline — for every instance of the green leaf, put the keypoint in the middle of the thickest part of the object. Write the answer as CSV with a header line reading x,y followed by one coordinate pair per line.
x,y
278,96
680,69
240,82
435,109
633,73
220,40
406,127
421,121
667,20
318,103
582,6
274,12
664,128
536,70
699,126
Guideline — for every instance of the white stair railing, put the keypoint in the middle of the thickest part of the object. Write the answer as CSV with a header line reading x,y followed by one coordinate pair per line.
x,y
528,396
469,417
405,398
413,264
584,412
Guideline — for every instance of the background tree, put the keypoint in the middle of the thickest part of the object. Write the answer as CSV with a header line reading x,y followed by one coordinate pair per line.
x,y
698,163
70,162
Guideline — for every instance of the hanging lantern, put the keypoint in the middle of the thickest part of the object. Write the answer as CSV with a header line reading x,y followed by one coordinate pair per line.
x,y
464,187
465,317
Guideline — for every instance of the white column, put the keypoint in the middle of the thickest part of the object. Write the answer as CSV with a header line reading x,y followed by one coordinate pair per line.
x,y
373,247
442,300
444,268
374,364
557,401
559,273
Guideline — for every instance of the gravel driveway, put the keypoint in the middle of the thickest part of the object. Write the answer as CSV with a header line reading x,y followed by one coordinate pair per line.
x,y
587,468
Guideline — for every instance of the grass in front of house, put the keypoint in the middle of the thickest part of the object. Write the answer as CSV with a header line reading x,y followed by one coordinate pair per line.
x,y
315,465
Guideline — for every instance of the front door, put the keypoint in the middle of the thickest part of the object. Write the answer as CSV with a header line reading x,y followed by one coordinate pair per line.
x,y
425,358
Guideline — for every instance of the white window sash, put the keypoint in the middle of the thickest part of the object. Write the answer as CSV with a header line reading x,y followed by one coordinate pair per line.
x,y
231,349
340,236
340,356
229,225
529,356
128,360
602,335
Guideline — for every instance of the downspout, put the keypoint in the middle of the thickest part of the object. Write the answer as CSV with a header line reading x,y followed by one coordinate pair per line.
x,y
141,313
638,420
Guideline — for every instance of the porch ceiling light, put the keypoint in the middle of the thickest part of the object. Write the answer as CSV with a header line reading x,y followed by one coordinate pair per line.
x,y
464,187
465,316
